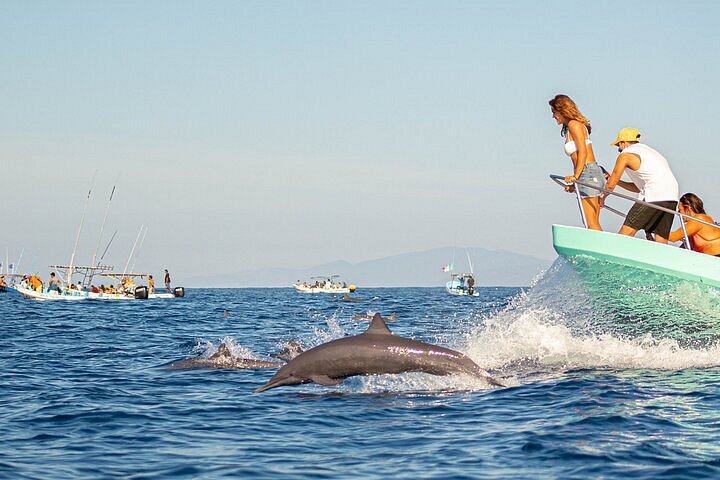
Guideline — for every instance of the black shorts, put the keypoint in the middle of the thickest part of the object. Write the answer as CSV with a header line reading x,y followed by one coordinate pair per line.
x,y
642,217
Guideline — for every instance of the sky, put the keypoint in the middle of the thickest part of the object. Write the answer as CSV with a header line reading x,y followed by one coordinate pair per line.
x,y
251,134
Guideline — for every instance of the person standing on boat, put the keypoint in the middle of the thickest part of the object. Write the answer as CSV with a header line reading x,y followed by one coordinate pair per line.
x,y
578,146
151,284
703,238
167,281
651,178
54,283
471,285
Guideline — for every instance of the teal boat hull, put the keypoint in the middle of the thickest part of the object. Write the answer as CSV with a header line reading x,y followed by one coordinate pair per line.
x,y
634,252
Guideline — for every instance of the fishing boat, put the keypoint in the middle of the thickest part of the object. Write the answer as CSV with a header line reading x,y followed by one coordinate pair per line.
x,y
461,284
580,242
78,279
323,284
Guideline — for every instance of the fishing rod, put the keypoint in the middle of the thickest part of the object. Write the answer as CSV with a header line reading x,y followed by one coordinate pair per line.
x,y
17,265
108,245
133,249
102,226
82,221
142,240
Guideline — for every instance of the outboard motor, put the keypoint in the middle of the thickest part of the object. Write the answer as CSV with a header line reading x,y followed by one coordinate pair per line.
x,y
179,292
141,292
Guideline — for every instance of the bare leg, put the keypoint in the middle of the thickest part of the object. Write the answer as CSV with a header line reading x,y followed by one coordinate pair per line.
x,y
660,239
591,207
629,231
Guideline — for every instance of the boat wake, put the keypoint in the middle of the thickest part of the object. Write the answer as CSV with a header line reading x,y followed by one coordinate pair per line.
x,y
626,320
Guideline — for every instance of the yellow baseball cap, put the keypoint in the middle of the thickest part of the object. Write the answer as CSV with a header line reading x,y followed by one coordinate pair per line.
x,y
627,135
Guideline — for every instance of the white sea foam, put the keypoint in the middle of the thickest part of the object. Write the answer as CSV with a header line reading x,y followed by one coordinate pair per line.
x,y
551,327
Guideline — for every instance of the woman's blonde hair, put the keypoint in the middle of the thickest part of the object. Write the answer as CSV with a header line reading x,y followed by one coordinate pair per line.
x,y
564,105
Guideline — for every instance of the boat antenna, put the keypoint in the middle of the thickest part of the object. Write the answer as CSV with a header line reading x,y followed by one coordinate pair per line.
x,y
108,245
102,226
132,269
82,221
133,249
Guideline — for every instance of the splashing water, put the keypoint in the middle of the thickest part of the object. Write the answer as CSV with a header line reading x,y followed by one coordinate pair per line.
x,y
622,319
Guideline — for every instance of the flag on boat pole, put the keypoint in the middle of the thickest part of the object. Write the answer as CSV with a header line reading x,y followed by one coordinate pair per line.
x,y
448,267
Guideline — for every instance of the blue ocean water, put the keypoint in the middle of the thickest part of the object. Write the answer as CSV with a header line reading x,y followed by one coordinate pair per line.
x,y
601,385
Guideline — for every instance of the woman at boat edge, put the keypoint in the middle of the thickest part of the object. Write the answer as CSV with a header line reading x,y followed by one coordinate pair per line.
x,y
703,238
578,146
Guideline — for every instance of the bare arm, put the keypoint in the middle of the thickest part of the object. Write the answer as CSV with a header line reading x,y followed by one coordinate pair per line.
x,y
621,164
690,227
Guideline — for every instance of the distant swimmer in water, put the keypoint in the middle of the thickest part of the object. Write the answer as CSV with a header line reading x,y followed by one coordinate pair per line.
x,y
578,146
703,238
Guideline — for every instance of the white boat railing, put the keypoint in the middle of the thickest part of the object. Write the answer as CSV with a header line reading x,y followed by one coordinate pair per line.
x,y
560,180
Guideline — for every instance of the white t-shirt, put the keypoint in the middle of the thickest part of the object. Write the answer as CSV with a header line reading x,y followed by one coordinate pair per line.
x,y
654,177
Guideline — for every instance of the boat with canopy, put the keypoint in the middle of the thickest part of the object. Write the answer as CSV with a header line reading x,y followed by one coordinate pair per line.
x,y
461,284
324,284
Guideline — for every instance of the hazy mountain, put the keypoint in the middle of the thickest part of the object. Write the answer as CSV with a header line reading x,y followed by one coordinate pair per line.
x,y
492,267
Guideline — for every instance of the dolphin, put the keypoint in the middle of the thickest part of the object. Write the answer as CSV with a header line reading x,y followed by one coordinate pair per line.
x,y
223,359
367,316
291,350
376,351
348,298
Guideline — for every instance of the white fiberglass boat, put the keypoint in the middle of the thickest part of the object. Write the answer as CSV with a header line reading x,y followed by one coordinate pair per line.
x,y
326,285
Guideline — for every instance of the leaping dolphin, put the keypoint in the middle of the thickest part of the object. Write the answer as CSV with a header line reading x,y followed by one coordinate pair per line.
x,y
376,351
223,359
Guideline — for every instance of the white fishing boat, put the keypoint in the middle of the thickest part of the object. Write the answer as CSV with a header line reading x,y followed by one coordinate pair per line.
x,y
461,284
323,284
581,242
78,280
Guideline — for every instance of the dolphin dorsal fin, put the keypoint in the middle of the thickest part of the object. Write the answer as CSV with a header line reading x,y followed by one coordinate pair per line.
x,y
377,325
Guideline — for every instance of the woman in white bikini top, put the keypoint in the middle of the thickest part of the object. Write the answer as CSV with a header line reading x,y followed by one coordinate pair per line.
x,y
576,129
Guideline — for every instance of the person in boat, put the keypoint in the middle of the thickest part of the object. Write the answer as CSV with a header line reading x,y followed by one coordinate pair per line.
x,y
167,281
36,283
151,284
2,281
471,285
703,238
578,146
54,283
652,178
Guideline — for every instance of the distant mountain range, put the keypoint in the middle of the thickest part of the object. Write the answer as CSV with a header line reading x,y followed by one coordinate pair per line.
x,y
417,269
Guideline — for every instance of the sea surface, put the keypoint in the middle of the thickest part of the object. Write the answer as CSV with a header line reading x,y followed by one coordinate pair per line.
x,y
617,378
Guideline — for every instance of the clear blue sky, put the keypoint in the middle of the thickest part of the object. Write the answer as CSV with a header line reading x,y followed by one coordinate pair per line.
x,y
260,134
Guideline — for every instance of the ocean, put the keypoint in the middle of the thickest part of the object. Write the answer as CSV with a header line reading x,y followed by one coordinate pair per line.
x,y
615,379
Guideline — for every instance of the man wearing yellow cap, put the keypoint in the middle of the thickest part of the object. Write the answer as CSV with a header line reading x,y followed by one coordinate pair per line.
x,y
651,178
